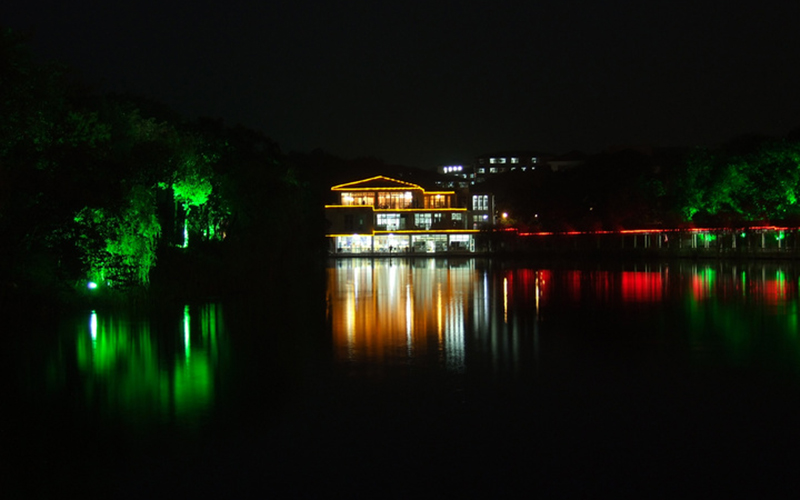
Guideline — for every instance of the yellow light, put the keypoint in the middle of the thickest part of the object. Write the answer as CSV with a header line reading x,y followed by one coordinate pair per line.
x,y
350,185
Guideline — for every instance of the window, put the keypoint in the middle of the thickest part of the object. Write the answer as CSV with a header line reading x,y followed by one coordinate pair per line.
x,y
358,198
423,221
390,221
394,199
437,201
480,202
514,160
437,218
455,216
497,160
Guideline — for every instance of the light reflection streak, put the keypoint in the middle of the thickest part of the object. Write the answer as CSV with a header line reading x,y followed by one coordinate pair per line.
x,y
93,329
505,300
539,283
439,312
186,333
350,317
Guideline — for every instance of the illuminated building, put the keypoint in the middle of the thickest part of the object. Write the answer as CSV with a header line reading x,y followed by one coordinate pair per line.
x,y
380,215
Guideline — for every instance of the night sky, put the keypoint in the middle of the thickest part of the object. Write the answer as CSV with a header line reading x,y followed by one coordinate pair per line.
x,y
437,82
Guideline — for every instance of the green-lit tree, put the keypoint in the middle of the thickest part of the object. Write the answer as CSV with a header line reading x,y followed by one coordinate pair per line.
x,y
757,181
119,245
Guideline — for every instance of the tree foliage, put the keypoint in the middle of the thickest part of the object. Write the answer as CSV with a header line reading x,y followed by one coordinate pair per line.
x,y
92,185
750,181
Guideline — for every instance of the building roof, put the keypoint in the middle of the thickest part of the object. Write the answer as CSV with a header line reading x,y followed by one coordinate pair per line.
x,y
377,182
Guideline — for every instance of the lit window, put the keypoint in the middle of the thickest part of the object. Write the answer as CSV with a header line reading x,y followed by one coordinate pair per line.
x,y
455,216
480,202
534,160
514,160
493,170
423,221
390,221
481,170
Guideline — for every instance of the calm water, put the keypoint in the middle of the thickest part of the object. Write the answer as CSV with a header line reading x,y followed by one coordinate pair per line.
x,y
459,376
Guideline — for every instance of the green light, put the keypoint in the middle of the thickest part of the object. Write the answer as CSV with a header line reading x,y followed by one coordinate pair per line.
x,y
93,329
185,233
186,331
780,236
707,237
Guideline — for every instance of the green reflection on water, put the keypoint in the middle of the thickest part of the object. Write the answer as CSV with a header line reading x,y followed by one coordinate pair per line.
x,y
744,319
131,372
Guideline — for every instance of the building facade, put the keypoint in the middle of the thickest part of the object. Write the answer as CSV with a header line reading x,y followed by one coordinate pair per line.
x,y
380,215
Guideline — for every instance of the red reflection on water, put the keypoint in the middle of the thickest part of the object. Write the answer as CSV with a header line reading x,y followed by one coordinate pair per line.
x,y
527,285
572,280
772,290
702,284
641,286
629,286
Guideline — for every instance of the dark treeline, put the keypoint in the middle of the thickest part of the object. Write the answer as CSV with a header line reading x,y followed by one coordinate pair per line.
x,y
747,181
117,195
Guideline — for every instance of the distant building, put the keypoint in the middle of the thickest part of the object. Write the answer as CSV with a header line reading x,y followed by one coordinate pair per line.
x,y
381,215
456,176
492,164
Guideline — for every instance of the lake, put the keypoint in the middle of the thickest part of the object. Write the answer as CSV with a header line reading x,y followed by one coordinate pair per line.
x,y
419,376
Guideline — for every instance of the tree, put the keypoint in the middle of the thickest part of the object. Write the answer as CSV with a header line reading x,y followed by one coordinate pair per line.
x,y
743,181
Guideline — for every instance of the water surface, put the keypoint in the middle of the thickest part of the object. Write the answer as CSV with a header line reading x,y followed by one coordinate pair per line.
x,y
409,376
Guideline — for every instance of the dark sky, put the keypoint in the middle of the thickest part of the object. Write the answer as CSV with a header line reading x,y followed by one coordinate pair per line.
x,y
434,82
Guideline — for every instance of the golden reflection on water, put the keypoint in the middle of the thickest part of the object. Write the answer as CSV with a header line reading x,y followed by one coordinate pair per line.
x,y
397,311
386,310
